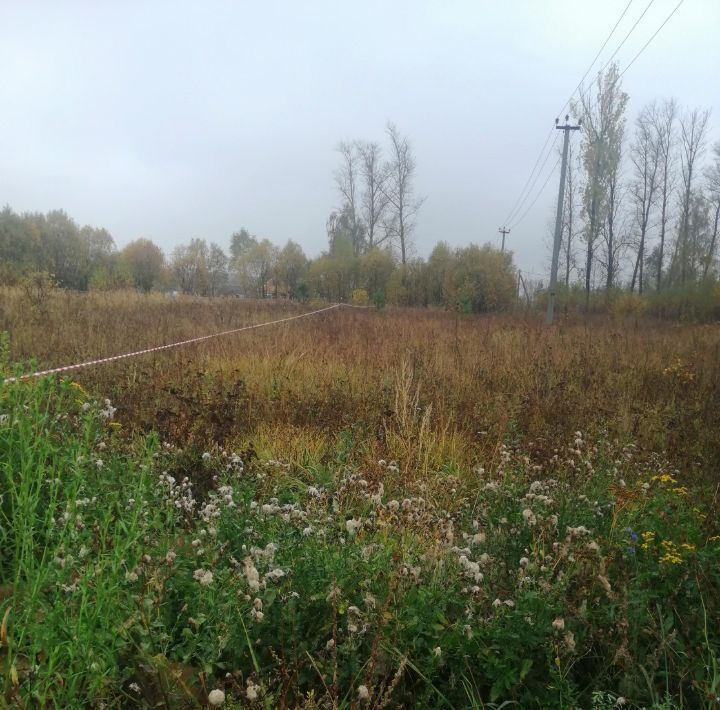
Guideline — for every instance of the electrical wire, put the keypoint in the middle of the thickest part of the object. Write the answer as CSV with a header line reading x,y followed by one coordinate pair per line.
x,y
527,189
592,64
530,182
522,197
540,192
619,47
537,177
520,203
657,31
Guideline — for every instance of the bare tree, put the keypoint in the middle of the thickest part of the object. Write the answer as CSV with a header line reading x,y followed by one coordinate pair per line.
x,y
664,125
693,133
346,177
713,188
646,156
347,218
397,187
373,201
569,216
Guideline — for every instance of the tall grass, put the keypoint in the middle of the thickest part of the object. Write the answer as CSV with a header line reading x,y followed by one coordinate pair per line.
x,y
655,384
136,573
373,509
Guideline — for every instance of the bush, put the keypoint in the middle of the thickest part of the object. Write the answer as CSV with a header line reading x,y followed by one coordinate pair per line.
x,y
629,304
38,287
360,297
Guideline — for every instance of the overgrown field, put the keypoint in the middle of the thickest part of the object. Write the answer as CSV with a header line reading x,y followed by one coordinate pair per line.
x,y
358,509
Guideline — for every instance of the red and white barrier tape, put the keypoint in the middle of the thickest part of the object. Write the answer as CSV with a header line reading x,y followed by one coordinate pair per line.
x,y
78,366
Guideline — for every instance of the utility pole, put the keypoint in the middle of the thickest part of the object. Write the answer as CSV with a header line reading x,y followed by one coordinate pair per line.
x,y
558,217
527,295
503,231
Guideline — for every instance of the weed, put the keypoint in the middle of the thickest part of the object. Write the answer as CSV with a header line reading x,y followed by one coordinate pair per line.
x,y
342,517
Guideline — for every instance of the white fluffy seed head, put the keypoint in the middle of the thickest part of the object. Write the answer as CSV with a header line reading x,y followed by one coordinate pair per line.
x,y
216,697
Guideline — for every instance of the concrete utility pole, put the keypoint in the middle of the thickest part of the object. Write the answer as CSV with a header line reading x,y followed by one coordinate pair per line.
x,y
503,231
558,217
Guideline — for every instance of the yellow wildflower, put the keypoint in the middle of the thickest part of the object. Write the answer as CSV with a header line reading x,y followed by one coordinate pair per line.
x,y
648,539
665,478
77,386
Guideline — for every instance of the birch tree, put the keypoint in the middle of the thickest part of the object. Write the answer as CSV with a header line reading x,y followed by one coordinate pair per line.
x,y
373,202
645,154
664,128
347,179
712,176
693,134
569,216
398,189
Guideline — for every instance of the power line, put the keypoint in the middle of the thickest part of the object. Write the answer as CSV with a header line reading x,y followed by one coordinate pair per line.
x,y
520,203
525,192
517,204
657,31
630,31
534,180
620,46
544,185
592,64
532,273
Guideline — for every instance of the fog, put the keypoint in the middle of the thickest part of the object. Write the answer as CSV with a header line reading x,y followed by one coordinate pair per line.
x,y
174,120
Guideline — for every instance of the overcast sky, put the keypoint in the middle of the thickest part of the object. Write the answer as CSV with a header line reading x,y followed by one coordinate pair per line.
x,y
173,120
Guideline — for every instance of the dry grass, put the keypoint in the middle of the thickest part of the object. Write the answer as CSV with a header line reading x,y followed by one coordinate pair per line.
x,y
506,558
397,384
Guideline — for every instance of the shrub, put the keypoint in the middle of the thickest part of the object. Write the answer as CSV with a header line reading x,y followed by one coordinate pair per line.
x,y
360,297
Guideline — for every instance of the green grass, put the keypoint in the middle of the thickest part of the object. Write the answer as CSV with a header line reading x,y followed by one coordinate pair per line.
x,y
135,573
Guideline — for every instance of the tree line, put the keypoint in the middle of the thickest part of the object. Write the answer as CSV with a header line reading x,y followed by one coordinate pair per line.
x,y
641,211
369,257
85,258
640,217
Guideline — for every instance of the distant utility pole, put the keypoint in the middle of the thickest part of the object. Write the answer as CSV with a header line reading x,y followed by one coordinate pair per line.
x,y
558,217
503,231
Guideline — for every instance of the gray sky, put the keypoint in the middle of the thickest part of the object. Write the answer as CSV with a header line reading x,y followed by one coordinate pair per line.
x,y
172,120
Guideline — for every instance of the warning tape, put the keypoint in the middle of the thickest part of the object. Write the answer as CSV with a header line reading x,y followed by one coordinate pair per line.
x,y
113,358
